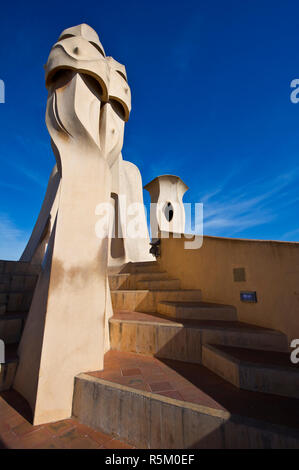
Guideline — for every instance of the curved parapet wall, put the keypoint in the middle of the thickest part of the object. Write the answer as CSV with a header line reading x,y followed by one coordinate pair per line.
x,y
225,267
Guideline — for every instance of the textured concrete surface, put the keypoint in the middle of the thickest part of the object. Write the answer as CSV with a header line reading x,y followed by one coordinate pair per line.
x,y
182,340
169,404
147,300
269,270
17,432
261,371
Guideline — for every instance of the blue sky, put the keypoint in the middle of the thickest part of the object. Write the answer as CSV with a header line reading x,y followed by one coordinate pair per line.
x,y
210,102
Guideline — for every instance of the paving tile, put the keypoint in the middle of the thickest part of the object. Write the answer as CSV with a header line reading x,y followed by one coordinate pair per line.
x,y
18,433
25,428
99,437
106,375
160,386
128,372
71,435
79,443
172,394
33,440
60,427
49,444
200,398
9,440
174,379
4,426
135,382
115,444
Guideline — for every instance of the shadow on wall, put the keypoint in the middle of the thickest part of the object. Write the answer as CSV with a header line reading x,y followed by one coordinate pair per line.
x,y
269,268
230,418
117,249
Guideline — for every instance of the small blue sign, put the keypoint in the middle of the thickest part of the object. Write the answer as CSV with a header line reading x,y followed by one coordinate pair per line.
x,y
248,296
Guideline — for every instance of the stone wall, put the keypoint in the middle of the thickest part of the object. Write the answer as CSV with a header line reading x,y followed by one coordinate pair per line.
x,y
271,269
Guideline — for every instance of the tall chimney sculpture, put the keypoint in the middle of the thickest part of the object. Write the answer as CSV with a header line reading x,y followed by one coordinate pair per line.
x,y
89,101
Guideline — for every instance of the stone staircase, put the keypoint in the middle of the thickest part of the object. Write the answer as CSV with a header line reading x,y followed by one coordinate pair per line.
x,y
227,384
256,370
150,320
247,356
141,287
17,284
181,372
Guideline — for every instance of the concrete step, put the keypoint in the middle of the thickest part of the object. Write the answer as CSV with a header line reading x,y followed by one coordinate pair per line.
x,y
146,269
161,284
128,281
142,267
150,276
146,300
16,301
24,289
3,287
197,310
8,369
11,326
139,264
5,278
118,281
156,404
17,285
18,267
18,281
261,371
159,336
3,298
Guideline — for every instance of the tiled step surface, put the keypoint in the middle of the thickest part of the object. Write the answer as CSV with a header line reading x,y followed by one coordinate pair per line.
x,y
128,281
8,369
197,310
262,371
16,301
150,276
161,284
118,281
151,403
11,326
17,284
163,337
17,432
148,266
146,300
18,267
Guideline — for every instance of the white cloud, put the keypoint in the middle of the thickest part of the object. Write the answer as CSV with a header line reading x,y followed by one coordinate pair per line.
x,y
30,174
29,147
229,211
12,239
293,235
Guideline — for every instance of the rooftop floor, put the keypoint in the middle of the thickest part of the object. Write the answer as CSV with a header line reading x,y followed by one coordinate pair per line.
x,y
17,432
194,383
